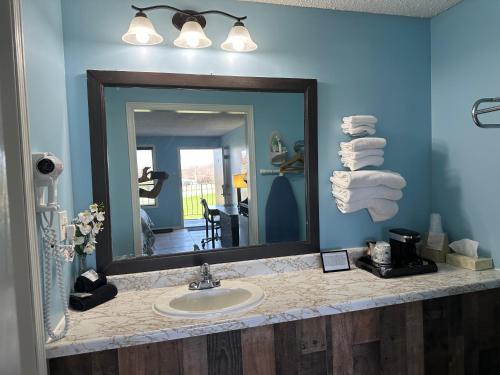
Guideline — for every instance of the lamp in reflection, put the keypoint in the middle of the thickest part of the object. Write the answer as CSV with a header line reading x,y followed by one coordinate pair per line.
x,y
191,24
239,182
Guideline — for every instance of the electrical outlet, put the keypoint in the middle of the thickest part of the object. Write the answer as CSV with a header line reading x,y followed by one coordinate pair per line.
x,y
63,223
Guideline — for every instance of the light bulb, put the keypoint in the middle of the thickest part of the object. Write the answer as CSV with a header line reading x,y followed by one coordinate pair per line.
x,y
192,40
142,36
238,45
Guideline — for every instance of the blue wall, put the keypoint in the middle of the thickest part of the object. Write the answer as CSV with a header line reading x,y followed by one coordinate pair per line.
x,y
364,63
465,172
168,213
42,26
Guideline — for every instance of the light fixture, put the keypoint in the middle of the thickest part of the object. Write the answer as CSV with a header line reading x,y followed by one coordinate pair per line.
x,y
141,31
142,110
196,112
239,39
191,25
192,36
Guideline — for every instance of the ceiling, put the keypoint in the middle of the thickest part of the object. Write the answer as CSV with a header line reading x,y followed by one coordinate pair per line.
x,y
414,8
170,123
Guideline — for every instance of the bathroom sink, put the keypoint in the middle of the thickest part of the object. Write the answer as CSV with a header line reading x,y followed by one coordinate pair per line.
x,y
231,297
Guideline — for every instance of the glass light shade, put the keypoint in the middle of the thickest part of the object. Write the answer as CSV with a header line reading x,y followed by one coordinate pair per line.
x,y
239,40
142,32
192,36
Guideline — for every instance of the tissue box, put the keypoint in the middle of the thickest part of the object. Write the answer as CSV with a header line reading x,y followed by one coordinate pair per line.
x,y
475,264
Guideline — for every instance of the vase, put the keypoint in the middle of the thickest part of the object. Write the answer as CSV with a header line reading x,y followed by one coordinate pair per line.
x,y
82,264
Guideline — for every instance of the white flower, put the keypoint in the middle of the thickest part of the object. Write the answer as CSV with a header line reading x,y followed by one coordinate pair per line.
x,y
97,228
85,217
100,216
89,248
79,240
84,229
93,207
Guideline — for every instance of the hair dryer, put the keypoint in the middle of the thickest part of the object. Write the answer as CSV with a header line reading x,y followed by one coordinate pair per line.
x,y
46,170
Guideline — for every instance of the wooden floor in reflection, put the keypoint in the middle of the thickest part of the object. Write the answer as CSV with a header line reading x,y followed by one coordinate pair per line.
x,y
181,241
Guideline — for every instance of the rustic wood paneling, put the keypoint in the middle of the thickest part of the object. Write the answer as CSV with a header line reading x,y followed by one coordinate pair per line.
x,y
446,336
342,343
257,346
414,338
224,353
194,355
286,348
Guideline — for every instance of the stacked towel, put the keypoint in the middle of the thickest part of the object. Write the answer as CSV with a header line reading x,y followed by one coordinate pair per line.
x,y
359,125
362,152
377,191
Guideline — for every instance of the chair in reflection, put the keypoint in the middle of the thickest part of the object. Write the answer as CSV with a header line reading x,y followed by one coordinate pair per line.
x,y
211,217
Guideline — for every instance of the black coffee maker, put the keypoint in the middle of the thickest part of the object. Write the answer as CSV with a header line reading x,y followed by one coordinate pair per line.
x,y
404,258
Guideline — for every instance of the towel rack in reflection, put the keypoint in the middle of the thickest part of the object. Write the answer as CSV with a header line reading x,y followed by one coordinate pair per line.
x,y
476,111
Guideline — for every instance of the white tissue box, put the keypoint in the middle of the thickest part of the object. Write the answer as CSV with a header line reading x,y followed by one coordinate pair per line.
x,y
475,264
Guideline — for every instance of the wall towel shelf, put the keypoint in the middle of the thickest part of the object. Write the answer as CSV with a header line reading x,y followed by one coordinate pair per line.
x,y
476,111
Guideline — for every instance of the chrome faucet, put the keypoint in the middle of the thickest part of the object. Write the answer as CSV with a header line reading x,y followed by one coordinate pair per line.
x,y
206,281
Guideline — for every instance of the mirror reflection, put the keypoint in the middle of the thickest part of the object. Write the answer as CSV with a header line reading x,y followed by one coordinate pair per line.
x,y
202,170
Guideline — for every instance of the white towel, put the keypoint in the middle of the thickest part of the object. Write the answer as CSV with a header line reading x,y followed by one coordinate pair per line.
x,y
355,164
360,119
361,154
359,194
368,178
358,130
361,144
379,209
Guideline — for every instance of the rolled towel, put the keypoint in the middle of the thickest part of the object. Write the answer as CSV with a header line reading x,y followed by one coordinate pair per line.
x,y
371,192
359,179
100,295
361,144
87,282
358,130
379,209
355,164
362,154
360,119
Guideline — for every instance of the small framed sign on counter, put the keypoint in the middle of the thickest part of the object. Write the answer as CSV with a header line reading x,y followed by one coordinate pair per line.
x,y
335,260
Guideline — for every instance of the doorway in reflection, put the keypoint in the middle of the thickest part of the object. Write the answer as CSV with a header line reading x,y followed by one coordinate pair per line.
x,y
190,163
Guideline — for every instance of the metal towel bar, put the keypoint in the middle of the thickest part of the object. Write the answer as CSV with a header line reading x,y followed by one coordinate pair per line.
x,y
476,111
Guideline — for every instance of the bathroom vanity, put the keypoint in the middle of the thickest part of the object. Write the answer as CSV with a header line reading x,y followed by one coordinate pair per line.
x,y
308,323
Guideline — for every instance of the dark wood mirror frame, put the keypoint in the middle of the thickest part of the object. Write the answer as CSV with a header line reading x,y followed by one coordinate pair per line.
x,y
98,80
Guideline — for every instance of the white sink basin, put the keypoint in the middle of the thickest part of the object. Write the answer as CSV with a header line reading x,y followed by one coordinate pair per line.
x,y
231,297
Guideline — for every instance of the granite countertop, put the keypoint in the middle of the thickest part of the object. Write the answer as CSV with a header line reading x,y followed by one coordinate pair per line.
x,y
129,319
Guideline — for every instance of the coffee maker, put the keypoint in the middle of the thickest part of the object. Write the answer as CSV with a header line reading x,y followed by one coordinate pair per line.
x,y
404,259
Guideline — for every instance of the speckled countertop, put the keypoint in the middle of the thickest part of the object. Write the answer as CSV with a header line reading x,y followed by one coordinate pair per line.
x,y
129,319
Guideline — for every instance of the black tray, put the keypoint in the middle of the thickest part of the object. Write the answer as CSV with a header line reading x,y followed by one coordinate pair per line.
x,y
416,268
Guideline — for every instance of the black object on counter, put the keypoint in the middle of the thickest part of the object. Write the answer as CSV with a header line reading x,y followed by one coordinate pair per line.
x,y
404,258
97,297
85,285
417,267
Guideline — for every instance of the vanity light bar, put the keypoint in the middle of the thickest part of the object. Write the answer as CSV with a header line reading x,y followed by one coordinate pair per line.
x,y
191,24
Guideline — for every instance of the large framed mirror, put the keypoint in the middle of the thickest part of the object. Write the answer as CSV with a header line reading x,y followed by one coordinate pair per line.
x,y
195,168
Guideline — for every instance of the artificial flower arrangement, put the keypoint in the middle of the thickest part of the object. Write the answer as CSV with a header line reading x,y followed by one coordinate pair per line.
x,y
88,224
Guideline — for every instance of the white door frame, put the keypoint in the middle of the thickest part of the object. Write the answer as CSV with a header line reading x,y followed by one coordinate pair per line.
x,y
252,171
21,242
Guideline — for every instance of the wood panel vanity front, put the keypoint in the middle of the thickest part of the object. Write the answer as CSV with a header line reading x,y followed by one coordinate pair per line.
x,y
451,335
